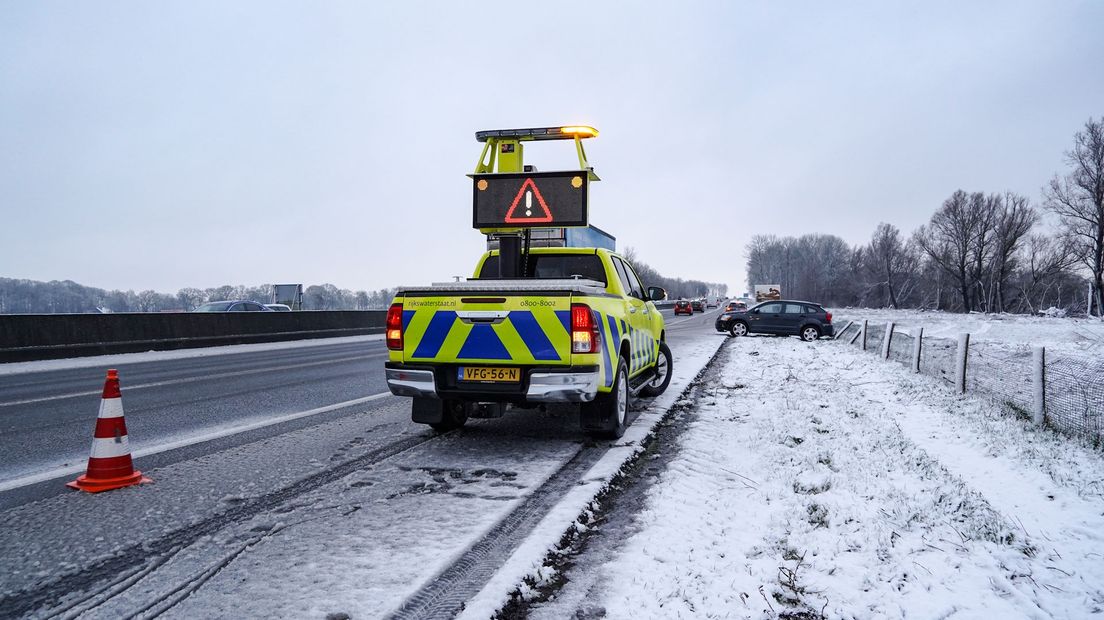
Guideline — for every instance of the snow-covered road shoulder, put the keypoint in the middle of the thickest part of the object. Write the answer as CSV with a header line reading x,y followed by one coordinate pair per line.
x,y
691,356
818,480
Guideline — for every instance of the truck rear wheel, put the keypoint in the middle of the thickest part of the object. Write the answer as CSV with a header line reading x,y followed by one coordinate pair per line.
x,y
663,366
607,416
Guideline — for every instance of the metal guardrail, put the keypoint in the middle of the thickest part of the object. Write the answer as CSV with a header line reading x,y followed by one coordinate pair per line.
x,y
25,337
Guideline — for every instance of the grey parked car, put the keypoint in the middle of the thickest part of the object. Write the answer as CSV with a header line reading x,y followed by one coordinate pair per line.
x,y
784,317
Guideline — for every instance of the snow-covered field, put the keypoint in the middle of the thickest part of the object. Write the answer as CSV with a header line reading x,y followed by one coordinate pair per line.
x,y
1001,362
1058,334
816,479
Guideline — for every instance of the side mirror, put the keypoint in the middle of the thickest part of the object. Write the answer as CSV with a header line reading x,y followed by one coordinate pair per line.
x,y
656,293
755,311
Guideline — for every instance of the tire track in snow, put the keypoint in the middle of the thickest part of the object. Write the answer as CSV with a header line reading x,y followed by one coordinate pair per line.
x,y
109,573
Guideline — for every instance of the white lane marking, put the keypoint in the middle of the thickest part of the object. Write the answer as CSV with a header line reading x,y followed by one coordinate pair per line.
x,y
58,472
221,375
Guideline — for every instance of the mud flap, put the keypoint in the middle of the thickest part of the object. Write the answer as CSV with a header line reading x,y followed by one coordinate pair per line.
x,y
428,410
594,417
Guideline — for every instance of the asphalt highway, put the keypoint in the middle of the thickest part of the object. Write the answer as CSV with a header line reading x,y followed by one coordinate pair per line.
x,y
178,409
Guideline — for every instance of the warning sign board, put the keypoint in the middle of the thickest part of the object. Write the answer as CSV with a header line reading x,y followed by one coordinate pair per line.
x,y
528,200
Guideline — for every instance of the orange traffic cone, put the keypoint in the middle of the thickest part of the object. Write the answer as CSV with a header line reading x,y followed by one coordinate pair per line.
x,y
109,465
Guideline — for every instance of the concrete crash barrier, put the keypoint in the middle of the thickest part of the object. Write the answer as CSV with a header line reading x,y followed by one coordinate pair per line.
x,y
26,337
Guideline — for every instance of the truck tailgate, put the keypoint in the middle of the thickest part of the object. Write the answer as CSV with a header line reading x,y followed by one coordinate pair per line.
x,y
497,328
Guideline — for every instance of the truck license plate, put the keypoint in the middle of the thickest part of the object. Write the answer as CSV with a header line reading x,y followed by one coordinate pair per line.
x,y
488,374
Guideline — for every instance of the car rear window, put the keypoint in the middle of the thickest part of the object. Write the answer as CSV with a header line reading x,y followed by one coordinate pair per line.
x,y
552,267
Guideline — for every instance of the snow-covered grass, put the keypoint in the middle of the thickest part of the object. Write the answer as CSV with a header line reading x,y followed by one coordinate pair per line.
x,y
1065,334
817,479
1001,364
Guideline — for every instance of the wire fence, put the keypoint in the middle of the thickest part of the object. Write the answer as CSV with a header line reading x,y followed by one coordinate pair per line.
x,y
1062,390
1003,374
1074,392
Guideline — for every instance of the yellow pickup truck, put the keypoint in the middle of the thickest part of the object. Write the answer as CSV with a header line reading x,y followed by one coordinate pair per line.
x,y
533,325
578,327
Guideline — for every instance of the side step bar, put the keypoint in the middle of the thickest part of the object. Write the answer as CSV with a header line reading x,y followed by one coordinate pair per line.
x,y
637,383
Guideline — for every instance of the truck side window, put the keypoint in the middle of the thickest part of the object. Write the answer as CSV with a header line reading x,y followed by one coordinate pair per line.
x,y
627,280
620,269
635,279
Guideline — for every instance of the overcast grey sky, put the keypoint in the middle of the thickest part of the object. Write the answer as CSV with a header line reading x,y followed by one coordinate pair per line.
x,y
170,144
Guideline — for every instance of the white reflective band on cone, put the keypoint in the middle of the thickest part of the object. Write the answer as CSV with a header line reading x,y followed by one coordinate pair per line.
x,y
111,408
107,448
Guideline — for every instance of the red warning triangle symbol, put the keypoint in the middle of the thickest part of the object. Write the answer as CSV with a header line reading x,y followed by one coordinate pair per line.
x,y
529,214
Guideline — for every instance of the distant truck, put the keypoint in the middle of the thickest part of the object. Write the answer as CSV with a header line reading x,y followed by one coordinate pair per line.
x,y
768,292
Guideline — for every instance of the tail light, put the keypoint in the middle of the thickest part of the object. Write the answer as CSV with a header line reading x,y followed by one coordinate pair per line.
x,y
394,327
584,330
829,318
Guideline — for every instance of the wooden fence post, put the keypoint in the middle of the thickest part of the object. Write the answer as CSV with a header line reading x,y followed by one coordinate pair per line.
x,y
1038,381
917,345
864,334
960,362
887,340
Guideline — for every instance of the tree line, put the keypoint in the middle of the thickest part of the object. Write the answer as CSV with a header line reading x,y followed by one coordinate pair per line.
x,y
978,252
677,288
33,297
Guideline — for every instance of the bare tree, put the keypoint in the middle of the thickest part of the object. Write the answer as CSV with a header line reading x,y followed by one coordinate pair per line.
x,y
189,298
1045,261
1014,220
949,239
887,259
1078,199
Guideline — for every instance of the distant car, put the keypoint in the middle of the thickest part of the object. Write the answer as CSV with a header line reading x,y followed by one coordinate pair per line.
x,y
785,318
733,306
278,307
237,305
682,306
712,303
697,305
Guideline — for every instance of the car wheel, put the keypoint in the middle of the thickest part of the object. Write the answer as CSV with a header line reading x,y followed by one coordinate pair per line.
x,y
739,328
454,416
810,333
662,379
606,417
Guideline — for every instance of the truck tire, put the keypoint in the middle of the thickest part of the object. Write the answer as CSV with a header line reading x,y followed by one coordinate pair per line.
x,y
607,416
663,367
